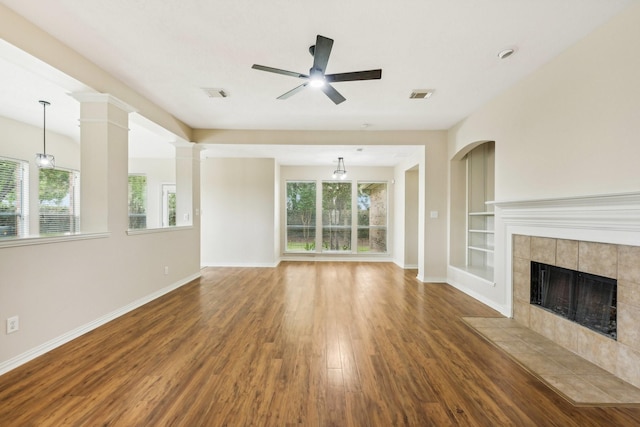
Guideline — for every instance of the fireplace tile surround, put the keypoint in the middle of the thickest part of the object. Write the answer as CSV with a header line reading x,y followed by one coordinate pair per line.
x,y
621,262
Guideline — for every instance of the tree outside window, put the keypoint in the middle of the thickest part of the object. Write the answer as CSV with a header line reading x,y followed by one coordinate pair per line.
x,y
372,217
336,216
137,202
59,205
301,216
14,198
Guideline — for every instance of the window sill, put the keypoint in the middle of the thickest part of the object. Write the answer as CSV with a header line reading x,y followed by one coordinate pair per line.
x,y
137,232
37,240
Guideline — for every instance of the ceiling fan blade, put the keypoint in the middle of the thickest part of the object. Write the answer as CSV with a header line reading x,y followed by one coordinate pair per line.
x,y
333,94
279,71
321,53
356,75
293,91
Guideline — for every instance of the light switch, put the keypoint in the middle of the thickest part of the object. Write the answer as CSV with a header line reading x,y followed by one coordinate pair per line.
x,y
434,214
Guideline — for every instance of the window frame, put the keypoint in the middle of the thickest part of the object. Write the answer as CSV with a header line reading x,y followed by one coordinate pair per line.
x,y
370,227
22,214
310,247
129,192
74,203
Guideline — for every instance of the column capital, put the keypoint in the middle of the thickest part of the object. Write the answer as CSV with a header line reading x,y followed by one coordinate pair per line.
x,y
105,98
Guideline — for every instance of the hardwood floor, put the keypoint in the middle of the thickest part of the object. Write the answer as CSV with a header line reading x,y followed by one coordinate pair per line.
x,y
303,344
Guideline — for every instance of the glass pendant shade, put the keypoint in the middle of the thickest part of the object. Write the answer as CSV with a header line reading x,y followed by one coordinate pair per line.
x,y
341,172
45,161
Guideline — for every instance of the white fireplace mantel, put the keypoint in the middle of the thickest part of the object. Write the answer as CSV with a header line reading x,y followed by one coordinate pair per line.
x,y
608,218
619,212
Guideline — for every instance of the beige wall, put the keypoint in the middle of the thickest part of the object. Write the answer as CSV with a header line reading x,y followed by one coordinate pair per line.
x,y
63,287
411,191
238,215
570,128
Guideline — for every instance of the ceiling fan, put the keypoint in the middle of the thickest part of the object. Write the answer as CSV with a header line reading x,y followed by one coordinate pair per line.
x,y
317,77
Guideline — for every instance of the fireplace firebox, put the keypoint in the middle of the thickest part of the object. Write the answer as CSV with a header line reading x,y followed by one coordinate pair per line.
x,y
586,299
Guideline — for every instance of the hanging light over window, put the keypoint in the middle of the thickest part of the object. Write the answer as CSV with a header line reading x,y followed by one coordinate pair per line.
x,y
44,160
341,172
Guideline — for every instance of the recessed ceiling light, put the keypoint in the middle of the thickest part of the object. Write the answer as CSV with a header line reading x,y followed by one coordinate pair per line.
x,y
504,54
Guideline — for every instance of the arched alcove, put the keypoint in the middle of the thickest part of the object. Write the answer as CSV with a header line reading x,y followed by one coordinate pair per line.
x,y
471,226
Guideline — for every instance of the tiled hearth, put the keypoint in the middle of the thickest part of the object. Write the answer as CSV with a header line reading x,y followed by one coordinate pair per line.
x,y
578,380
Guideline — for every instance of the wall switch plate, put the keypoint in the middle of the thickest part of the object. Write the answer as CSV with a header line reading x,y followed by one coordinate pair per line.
x,y
166,270
13,324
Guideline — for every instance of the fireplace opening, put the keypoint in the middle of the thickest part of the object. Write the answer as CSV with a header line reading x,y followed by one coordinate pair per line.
x,y
583,298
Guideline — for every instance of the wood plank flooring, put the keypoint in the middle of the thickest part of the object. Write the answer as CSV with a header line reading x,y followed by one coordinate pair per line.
x,y
303,344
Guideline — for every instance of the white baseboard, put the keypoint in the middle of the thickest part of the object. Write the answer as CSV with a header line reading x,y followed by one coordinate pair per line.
x,y
432,279
77,332
486,301
240,264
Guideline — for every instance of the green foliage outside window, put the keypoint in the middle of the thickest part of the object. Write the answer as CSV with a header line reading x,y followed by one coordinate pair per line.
x,y
301,215
137,201
336,216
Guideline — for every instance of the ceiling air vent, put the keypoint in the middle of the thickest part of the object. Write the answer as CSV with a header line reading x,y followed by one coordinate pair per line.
x,y
421,93
215,92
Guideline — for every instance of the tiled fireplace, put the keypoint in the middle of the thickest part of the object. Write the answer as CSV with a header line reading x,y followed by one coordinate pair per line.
x,y
622,262
599,235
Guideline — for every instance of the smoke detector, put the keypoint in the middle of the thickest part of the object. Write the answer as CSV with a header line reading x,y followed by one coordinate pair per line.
x,y
421,93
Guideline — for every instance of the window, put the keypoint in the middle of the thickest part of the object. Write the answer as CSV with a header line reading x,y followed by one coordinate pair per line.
x,y
14,198
59,201
137,201
336,216
301,216
338,224
168,205
372,217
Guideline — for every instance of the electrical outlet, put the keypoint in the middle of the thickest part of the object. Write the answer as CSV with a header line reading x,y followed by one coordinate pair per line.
x,y
166,270
13,324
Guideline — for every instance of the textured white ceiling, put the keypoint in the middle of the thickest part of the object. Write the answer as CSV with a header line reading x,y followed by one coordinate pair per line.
x,y
169,50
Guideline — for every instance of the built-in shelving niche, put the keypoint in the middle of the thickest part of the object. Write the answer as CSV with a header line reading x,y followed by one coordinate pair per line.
x,y
480,218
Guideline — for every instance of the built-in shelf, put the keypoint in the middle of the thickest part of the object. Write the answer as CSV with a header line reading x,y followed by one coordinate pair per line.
x,y
480,215
488,249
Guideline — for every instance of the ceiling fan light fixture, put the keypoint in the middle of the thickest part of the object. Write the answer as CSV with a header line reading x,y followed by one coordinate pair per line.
x,y
317,81
316,78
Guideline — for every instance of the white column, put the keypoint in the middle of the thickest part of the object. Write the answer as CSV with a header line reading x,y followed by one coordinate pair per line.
x,y
187,169
104,137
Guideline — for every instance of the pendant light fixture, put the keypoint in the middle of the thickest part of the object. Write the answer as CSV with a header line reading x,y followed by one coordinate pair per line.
x,y
341,172
44,160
